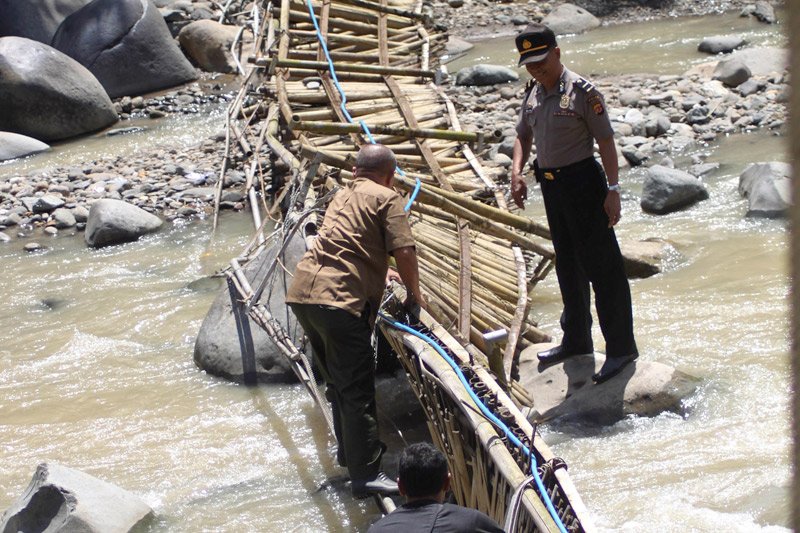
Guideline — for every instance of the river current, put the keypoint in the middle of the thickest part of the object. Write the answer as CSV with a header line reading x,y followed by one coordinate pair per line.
x,y
96,373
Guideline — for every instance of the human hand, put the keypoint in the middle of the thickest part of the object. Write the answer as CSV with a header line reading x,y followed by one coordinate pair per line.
x,y
613,208
519,190
411,301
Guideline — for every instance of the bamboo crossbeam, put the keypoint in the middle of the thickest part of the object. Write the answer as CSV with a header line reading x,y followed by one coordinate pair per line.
x,y
405,133
354,67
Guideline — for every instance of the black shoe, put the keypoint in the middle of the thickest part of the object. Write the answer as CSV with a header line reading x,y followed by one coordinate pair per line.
x,y
612,367
557,354
378,484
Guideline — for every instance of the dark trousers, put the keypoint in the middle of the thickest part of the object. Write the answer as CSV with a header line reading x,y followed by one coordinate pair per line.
x,y
344,356
587,253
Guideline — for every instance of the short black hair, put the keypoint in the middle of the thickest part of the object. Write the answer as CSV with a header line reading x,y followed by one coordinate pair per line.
x,y
422,469
376,158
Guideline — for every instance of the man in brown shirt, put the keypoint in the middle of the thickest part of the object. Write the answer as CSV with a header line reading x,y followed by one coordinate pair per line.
x,y
335,295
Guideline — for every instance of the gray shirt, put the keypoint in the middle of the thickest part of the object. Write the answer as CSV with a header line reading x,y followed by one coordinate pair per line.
x,y
565,121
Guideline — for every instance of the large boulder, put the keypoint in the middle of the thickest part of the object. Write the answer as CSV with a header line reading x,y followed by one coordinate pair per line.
x,y
569,18
115,222
565,392
763,60
230,345
208,43
643,259
47,95
14,145
668,189
37,20
60,499
127,46
721,44
732,72
485,75
768,187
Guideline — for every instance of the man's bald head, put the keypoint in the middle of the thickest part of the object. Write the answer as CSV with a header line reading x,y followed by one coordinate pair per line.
x,y
376,162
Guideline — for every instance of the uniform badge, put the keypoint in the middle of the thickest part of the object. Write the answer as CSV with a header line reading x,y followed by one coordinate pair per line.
x,y
598,108
564,101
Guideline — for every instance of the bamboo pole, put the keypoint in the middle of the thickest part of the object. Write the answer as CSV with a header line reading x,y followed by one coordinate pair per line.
x,y
355,67
405,133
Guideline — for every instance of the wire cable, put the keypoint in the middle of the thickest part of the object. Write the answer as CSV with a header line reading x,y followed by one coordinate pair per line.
x,y
487,413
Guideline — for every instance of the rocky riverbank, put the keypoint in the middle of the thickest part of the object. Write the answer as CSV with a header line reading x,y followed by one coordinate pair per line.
x,y
656,118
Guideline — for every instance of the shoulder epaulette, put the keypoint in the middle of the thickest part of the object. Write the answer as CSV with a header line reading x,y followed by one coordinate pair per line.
x,y
584,84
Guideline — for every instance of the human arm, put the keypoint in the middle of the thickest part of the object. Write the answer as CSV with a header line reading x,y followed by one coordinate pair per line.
x,y
408,268
608,155
522,151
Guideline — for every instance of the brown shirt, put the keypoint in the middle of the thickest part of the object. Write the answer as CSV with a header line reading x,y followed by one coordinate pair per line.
x,y
346,267
565,121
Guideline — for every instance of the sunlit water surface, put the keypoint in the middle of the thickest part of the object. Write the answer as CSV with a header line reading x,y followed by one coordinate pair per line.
x,y
96,373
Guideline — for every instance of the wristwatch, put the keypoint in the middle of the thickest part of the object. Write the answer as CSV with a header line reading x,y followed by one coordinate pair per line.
x,y
616,188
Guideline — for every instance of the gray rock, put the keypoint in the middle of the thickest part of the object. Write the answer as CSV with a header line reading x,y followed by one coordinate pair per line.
x,y
644,258
46,95
202,193
229,344
767,186
60,499
456,46
667,189
64,218
50,230
47,203
36,20
633,155
764,12
208,44
721,44
455,3
14,145
519,20
629,97
749,87
502,160
28,202
698,115
569,18
565,392
108,33
32,247
4,237
732,72
81,213
763,61
657,126
114,222
485,75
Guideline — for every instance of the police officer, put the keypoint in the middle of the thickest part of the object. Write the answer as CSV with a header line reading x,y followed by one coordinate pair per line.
x,y
564,114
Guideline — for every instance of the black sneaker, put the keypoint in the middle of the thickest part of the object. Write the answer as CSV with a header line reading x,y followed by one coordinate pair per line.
x,y
378,484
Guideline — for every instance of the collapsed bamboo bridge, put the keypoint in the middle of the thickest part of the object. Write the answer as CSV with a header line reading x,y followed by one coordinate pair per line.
x,y
322,78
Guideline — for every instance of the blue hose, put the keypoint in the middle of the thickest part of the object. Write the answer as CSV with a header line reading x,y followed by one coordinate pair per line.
x,y
343,96
487,413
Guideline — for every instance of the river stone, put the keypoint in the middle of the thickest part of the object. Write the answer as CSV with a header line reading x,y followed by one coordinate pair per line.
x,y
35,19
721,44
644,258
127,46
565,392
47,203
61,499
764,12
208,43
230,345
763,61
485,75
667,189
732,72
14,145
767,186
47,95
456,46
569,18
114,222
64,218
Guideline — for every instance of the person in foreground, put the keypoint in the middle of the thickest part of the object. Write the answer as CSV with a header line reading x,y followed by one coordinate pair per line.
x,y
335,295
424,480
564,114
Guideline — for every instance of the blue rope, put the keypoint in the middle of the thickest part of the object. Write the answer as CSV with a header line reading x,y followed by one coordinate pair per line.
x,y
488,414
343,96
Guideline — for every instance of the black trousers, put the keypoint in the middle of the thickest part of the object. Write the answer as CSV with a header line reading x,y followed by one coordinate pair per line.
x,y
587,253
344,356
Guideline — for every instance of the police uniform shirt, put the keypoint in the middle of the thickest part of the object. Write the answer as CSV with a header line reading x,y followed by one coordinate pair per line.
x,y
346,267
565,121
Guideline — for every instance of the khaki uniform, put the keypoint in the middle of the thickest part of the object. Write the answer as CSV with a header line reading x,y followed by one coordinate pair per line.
x,y
335,296
564,124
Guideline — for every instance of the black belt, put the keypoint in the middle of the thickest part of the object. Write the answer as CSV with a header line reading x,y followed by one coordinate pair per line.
x,y
552,173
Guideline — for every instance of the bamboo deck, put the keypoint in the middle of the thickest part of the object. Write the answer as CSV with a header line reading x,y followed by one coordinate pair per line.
x,y
479,261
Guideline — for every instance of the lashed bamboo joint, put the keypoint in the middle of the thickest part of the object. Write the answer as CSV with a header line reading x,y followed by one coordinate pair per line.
x,y
478,261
